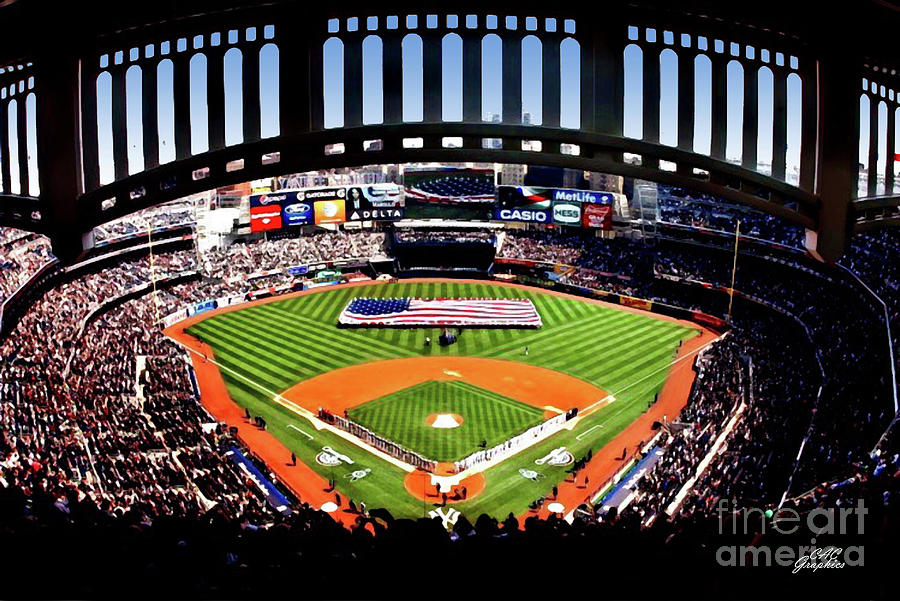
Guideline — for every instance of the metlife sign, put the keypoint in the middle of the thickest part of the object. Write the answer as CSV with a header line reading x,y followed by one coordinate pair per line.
x,y
525,215
582,196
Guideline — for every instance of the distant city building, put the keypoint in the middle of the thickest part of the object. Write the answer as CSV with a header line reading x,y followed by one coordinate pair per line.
x,y
605,181
513,175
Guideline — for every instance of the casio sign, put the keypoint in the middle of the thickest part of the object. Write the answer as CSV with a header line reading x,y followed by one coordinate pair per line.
x,y
523,215
567,213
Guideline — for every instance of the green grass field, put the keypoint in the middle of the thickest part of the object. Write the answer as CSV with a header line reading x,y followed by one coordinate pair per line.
x,y
487,416
274,346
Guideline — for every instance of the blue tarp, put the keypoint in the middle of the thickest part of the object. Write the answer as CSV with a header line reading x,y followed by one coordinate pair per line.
x,y
629,481
273,495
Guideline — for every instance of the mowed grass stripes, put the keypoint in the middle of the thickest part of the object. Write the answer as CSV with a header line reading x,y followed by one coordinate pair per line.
x,y
283,343
279,344
488,418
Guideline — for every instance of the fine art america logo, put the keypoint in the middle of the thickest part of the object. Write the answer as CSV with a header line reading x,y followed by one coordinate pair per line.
x,y
846,521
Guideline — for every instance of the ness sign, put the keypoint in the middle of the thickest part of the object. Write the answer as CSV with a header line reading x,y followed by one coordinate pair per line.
x,y
565,213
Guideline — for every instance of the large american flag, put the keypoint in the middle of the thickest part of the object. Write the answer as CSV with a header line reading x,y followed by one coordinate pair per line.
x,y
440,312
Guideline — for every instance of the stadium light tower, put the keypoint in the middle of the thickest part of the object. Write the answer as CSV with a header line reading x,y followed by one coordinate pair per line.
x,y
737,237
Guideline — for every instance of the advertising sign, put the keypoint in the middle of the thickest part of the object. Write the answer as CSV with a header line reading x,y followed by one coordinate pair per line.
x,y
267,200
264,219
375,196
560,206
296,212
597,216
566,213
329,211
525,215
533,198
375,202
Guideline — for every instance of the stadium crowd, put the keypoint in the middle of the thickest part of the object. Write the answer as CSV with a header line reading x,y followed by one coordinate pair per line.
x,y
104,444
282,253
698,210
854,406
22,255
169,215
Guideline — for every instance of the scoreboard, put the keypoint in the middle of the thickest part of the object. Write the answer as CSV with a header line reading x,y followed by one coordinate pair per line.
x,y
323,206
558,206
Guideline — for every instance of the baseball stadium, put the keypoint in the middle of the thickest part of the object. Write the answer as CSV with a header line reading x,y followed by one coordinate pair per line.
x,y
424,301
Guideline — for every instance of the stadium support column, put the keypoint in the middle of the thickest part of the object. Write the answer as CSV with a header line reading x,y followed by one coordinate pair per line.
x,y
294,90
22,130
779,123
215,95
353,80
603,73
119,128
58,144
5,177
512,78
838,109
872,171
149,116
686,105
651,93
392,73
550,86
750,136
432,82
719,106
250,91
472,85
809,125
889,158
90,153
181,96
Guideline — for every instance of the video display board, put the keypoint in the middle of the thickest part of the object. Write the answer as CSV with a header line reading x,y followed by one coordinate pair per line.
x,y
324,206
557,206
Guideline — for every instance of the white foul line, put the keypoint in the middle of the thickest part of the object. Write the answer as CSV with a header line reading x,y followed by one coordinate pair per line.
x,y
588,431
300,431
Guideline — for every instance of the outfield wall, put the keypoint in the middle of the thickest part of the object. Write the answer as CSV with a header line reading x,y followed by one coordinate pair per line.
x,y
530,272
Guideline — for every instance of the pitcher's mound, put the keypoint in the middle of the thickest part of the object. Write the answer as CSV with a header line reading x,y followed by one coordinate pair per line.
x,y
444,420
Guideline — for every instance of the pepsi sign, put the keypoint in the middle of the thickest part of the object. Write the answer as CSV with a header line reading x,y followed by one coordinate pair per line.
x,y
265,200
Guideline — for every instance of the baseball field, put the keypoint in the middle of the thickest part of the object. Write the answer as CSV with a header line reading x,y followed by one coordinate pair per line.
x,y
284,359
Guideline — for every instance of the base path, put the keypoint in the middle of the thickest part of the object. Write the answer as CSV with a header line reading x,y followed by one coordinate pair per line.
x,y
348,387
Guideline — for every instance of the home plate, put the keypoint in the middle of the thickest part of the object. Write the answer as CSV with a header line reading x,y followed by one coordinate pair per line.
x,y
444,420
556,508
329,507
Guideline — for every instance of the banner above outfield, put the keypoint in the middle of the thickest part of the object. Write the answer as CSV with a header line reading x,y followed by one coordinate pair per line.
x,y
557,206
326,206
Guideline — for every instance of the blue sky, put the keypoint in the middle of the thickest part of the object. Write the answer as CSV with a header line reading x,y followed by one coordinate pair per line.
x,y
452,98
